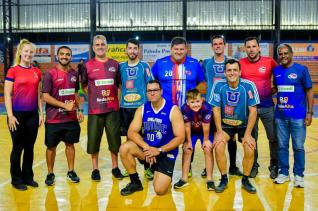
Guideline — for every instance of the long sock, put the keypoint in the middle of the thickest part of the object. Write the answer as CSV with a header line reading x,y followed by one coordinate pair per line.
x,y
232,147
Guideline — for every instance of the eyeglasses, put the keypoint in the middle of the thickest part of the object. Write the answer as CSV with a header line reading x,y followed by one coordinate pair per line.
x,y
149,91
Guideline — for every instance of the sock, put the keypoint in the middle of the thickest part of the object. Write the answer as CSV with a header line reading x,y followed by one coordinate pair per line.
x,y
134,178
232,148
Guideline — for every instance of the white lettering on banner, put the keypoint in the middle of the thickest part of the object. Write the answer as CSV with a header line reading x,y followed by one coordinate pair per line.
x,y
103,82
66,92
285,88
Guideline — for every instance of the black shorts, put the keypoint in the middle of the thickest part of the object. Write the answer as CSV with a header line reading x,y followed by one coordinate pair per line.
x,y
126,117
232,131
68,132
164,165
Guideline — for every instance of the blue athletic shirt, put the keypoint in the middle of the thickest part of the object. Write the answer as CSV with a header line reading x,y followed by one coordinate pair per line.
x,y
177,79
158,128
234,103
291,96
213,71
134,83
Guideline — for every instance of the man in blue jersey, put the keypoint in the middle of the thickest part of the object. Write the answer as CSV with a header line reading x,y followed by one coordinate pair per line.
x,y
234,103
178,72
293,113
213,71
163,133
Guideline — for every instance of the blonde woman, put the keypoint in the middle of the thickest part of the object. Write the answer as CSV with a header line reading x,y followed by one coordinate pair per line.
x,y
23,105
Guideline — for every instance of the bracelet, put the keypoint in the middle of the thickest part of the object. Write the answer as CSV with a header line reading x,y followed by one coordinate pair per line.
x,y
80,110
310,112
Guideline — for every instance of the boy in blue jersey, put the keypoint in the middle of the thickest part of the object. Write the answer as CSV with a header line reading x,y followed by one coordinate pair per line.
x,y
197,117
234,103
293,113
163,132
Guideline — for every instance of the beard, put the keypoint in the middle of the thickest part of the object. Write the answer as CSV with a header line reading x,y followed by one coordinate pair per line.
x,y
64,64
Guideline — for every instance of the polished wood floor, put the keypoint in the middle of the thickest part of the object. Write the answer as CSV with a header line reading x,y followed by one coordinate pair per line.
x,y
89,195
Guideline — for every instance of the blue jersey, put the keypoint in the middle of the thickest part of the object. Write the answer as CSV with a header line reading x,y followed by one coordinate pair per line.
x,y
177,79
157,127
234,103
213,71
291,83
134,83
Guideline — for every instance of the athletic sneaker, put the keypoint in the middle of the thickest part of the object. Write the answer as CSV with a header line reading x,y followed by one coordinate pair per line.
x,y
222,186
131,188
117,173
180,184
125,174
254,171
95,175
203,173
299,182
72,176
50,179
281,179
210,185
273,171
248,186
148,173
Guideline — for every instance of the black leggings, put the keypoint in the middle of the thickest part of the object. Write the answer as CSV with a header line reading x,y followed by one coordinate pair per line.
x,y
23,139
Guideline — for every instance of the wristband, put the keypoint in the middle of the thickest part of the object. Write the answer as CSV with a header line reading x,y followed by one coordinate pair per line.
x,y
310,112
80,110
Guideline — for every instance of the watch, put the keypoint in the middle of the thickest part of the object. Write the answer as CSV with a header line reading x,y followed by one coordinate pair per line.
x,y
310,112
160,150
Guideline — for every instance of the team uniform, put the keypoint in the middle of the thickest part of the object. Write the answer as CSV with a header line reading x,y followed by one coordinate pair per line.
x,y
103,79
204,115
177,79
25,109
290,114
134,81
234,104
61,125
158,132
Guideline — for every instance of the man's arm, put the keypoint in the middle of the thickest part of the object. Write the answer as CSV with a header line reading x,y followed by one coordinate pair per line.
x,y
310,104
54,102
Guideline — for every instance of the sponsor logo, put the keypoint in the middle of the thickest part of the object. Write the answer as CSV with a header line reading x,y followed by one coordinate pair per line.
x,y
250,94
60,79
95,70
172,157
188,72
285,88
129,84
216,98
35,75
132,97
66,92
148,72
232,98
277,76
292,76
131,71
218,68
112,69
262,69
232,122
159,135
229,110
73,78
104,82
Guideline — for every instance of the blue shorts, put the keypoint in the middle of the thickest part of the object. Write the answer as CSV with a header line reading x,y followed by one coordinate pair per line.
x,y
195,137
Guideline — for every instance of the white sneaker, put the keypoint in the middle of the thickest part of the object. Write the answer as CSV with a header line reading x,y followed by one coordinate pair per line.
x,y
299,182
281,179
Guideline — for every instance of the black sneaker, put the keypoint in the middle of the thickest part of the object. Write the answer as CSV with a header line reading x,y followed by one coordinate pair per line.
x,y
248,186
117,173
50,179
273,171
203,173
72,176
180,184
20,186
210,185
95,175
32,183
235,171
254,172
131,188
222,186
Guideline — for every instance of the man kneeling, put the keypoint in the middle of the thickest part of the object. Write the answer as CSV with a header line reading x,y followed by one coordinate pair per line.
x,y
163,132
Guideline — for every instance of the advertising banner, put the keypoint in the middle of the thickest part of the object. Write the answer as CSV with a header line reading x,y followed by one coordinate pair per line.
x,y
117,52
79,51
43,54
152,52
305,51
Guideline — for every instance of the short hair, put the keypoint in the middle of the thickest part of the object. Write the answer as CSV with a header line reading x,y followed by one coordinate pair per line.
x,y
178,41
217,37
233,61
155,81
192,94
133,41
285,45
65,47
99,37
251,38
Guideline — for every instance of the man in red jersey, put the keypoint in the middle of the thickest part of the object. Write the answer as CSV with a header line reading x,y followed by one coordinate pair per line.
x,y
259,69
101,79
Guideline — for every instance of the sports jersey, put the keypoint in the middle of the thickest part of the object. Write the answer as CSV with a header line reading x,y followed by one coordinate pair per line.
x,y
157,127
213,71
134,84
197,118
234,103
102,79
25,87
291,83
61,85
260,72
176,79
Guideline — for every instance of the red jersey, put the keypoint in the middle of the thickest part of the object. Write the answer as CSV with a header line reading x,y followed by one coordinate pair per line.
x,y
25,87
260,72
103,79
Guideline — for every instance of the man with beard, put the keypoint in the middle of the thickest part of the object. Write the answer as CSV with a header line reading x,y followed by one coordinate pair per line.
x,y
259,69
60,85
